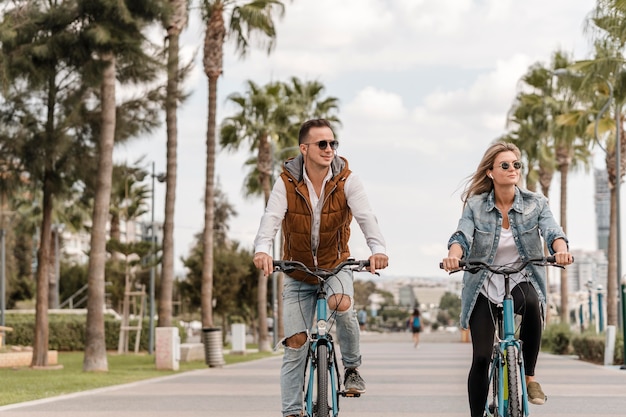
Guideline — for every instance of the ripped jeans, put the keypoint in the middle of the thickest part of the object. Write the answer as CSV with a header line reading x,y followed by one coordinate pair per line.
x,y
299,303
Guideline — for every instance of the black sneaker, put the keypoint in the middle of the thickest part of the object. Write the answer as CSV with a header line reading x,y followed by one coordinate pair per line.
x,y
353,382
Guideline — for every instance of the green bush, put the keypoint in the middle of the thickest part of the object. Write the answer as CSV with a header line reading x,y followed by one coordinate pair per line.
x,y
556,338
67,332
591,348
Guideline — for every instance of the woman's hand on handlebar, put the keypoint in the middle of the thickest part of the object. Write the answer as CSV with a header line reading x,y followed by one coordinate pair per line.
x,y
378,261
263,261
451,262
563,258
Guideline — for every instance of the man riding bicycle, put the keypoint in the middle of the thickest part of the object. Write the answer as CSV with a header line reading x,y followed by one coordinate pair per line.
x,y
315,200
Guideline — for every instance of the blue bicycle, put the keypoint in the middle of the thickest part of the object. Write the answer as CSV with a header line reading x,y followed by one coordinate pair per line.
x,y
508,394
323,382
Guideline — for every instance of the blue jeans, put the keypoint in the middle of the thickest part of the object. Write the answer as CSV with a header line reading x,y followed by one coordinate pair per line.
x,y
299,302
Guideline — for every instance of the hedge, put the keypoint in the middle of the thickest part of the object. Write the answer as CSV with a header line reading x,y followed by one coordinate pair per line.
x,y
67,332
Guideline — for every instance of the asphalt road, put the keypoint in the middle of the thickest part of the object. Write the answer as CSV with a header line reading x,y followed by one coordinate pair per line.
x,y
401,381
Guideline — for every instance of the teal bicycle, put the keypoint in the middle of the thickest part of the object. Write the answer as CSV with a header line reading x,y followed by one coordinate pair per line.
x,y
322,382
508,395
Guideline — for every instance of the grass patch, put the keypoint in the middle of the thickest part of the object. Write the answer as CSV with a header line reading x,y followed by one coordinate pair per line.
x,y
26,384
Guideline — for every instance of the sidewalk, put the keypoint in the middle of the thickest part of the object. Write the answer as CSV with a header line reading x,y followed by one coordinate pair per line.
x,y
401,381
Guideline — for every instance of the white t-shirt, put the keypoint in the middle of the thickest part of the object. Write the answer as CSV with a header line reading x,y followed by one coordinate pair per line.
x,y
506,254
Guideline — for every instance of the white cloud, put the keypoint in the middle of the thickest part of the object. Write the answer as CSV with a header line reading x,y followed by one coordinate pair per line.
x,y
424,86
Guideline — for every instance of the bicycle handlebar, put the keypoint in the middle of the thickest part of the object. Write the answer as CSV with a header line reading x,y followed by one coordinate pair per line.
x,y
290,266
474,266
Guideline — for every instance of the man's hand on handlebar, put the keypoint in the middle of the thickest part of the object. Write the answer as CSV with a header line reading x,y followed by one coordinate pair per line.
x,y
378,261
263,261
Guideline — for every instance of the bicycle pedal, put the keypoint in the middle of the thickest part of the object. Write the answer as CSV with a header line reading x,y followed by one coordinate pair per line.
x,y
350,394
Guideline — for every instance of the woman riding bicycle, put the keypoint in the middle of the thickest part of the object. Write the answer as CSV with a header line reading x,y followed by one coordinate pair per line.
x,y
503,224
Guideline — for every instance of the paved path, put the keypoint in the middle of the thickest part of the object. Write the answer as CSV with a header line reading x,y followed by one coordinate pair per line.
x,y
401,381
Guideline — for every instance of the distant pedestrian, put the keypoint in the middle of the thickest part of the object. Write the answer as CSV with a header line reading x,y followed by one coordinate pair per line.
x,y
416,326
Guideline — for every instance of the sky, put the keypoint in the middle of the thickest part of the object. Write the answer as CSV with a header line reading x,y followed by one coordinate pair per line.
x,y
423,87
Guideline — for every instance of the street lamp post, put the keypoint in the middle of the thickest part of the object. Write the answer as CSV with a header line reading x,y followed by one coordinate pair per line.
x,y
152,270
159,177
589,289
600,310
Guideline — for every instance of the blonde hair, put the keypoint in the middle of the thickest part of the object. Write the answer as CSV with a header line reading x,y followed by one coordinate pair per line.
x,y
479,183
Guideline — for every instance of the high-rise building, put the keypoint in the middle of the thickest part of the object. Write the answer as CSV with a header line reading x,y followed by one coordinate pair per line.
x,y
589,267
603,208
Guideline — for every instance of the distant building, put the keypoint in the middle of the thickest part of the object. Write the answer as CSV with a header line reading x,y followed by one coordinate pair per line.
x,y
603,209
589,267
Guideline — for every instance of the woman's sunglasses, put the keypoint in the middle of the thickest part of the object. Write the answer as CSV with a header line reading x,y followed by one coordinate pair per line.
x,y
506,165
322,144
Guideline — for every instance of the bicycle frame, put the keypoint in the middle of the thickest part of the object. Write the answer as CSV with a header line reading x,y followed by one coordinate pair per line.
x,y
321,337
506,331
506,372
323,378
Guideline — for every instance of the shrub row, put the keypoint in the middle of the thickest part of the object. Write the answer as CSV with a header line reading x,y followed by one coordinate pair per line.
x,y
588,346
67,332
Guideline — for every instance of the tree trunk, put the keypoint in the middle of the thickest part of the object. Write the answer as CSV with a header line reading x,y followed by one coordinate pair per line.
x,y
209,210
167,268
95,345
564,168
40,344
265,167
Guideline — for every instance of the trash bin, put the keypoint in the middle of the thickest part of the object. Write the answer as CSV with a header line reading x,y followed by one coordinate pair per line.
x,y
212,339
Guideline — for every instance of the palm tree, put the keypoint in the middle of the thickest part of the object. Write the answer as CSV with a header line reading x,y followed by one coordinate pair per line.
x,y
268,119
260,118
245,19
108,26
174,22
561,145
607,26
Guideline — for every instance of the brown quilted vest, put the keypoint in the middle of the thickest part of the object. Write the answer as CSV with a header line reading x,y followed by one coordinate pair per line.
x,y
334,223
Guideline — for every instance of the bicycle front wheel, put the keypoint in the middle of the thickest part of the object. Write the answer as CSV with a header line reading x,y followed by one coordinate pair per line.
x,y
514,383
321,406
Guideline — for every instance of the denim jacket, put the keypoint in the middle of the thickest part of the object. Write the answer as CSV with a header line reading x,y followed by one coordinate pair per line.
x,y
478,233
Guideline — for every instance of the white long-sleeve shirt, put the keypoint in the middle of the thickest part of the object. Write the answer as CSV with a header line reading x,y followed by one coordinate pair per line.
x,y
357,201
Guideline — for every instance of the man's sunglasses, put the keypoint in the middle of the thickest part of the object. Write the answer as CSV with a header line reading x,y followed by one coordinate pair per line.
x,y
322,144
506,165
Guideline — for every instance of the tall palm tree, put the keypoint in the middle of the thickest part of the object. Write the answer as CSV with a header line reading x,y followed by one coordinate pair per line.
x,y
268,119
260,118
175,20
561,146
108,27
571,147
607,27
245,18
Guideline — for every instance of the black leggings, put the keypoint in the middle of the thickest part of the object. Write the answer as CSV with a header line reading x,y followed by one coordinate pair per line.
x,y
526,303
